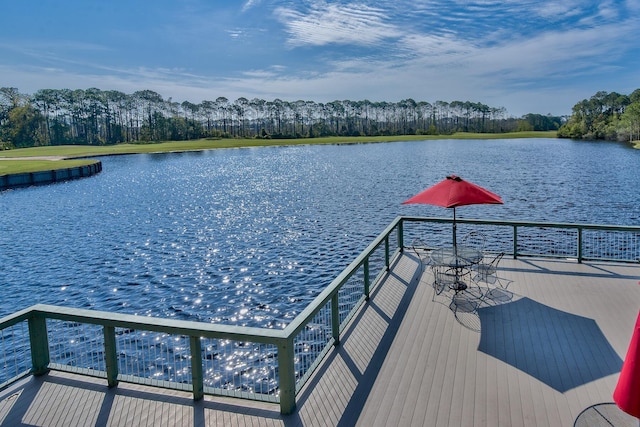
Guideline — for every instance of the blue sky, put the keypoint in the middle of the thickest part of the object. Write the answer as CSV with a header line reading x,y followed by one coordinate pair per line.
x,y
527,56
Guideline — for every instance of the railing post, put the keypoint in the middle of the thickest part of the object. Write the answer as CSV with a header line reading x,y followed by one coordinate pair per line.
x,y
515,241
287,377
401,234
110,355
39,341
197,379
579,245
335,319
367,279
386,252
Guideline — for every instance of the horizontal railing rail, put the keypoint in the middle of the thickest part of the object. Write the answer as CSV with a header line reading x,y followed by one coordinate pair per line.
x,y
258,363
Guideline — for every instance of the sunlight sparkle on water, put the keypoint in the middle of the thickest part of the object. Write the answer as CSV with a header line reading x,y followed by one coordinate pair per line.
x,y
201,235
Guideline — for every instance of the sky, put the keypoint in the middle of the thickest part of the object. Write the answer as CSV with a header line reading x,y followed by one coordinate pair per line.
x,y
536,56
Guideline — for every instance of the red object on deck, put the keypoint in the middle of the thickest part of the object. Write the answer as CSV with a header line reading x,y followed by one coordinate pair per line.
x,y
452,192
455,191
627,392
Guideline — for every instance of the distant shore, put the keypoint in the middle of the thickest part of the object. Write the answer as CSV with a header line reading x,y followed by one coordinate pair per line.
x,y
37,159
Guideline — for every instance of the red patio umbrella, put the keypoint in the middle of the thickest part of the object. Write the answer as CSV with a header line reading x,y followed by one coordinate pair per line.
x,y
627,392
453,192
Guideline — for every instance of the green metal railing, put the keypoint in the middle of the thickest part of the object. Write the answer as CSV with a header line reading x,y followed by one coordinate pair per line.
x,y
256,363
253,363
534,239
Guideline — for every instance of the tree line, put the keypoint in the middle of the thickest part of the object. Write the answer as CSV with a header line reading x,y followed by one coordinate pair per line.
x,y
606,116
98,117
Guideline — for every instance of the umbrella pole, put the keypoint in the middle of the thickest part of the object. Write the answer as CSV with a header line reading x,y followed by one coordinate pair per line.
x,y
455,243
460,285
455,251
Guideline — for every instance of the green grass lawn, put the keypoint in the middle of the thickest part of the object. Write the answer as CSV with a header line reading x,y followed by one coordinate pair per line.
x,y
73,151
9,167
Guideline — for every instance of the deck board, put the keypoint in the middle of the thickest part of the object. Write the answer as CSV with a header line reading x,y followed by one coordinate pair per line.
x,y
407,359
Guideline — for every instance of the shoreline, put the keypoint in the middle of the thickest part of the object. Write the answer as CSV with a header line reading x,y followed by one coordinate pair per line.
x,y
29,179
23,167
66,152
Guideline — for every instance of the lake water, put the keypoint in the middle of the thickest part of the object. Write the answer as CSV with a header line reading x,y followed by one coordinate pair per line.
x,y
250,236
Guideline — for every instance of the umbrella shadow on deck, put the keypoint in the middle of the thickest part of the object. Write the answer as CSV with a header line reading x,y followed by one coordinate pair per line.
x,y
561,349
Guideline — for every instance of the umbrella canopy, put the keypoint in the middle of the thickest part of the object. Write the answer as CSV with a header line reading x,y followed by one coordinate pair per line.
x,y
452,192
626,393
455,191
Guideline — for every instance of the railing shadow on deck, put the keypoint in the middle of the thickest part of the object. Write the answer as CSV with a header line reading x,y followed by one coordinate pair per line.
x,y
364,372
598,269
103,408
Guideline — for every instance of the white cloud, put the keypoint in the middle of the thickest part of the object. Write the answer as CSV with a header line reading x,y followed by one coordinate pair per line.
x,y
325,23
608,10
558,9
249,4
236,33
436,49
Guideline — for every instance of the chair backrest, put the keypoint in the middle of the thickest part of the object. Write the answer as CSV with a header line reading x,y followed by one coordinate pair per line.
x,y
474,240
497,259
418,244
421,250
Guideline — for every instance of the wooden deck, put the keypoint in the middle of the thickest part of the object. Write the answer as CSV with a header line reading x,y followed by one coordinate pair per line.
x,y
532,355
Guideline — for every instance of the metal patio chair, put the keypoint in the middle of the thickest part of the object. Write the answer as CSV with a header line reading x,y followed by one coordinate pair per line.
x,y
444,277
474,240
487,271
448,277
421,251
